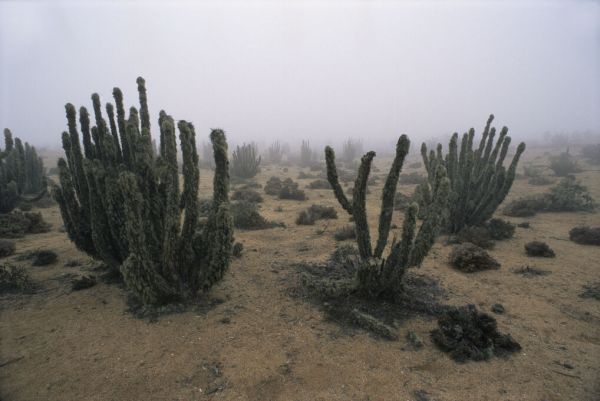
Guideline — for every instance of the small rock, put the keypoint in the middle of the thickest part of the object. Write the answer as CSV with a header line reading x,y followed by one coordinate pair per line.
x,y
497,309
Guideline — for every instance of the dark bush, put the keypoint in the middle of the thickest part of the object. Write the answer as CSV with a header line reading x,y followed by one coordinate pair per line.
x,y
467,334
345,233
25,206
246,216
289,190
525,207
83,282
7,248
401,201
314,213
319,184
17,224
14,279
273,186
237,250
585,235
247,194
470,258
303,176
40,257
500,229
479,236
539,249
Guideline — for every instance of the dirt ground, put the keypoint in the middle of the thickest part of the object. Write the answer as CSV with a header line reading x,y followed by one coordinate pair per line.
x,y
252,341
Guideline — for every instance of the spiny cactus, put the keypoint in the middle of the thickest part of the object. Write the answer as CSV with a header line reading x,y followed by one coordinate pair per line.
x,y
245,163
275,153
21,172
380,276
124,206
478,180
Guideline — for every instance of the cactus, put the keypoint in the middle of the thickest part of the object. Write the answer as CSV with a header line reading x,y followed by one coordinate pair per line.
x,y
380,276
478,180
351,150
307,155
275,153
124,206
245,164
21,172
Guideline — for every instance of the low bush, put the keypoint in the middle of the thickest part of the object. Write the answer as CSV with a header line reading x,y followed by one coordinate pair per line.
x,y
7,248
246,216
319,184
345,233
273,186
246,194
478,236
237,250
14,279
585,235
567,196
39,257
467,334
315,212
500,229
289,190
541,180
539,249
17,224
470,258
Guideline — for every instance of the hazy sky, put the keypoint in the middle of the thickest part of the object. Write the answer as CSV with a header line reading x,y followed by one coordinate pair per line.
x,y
319,70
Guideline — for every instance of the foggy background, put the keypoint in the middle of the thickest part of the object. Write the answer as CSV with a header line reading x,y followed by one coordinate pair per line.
x,y
307,70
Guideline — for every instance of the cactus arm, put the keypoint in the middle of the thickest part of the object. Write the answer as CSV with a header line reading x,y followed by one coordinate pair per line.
x,y
359,210
332,177
389,193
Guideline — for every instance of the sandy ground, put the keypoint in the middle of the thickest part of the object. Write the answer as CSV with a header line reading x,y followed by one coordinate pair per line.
x,y
255,342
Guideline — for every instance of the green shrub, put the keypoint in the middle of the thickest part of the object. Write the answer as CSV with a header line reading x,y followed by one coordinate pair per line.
x,y
499,229
247,217
273,186
539,249
319,184
17,224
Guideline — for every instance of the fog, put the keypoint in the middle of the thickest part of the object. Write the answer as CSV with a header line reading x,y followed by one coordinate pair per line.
x,y
307,70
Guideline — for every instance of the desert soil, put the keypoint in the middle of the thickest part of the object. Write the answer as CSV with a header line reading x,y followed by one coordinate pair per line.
x,y
250,340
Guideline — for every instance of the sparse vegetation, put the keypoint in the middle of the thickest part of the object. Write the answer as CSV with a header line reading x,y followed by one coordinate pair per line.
x,y
479,181
289,190
308,157
275,153
319,184
345,233
273,186
122,205
17,224
247,217
246,194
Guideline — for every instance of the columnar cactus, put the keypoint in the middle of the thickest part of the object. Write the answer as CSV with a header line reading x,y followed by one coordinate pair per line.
x,y
380,276
245,163
275,153
123,205
307,156
21,172
478,180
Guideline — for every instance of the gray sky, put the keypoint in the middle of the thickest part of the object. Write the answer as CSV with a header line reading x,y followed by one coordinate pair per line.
x,y
318,70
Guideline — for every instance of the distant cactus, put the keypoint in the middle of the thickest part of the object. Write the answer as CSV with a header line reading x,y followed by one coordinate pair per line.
x,y
351,150
21,172
122,205
307,155
245,163
379,276
275,153
478,180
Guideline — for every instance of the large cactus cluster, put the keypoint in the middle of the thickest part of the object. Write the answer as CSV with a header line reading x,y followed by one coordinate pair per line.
x,y
379,276
275,153
21,172
478,180
123,205
245,162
